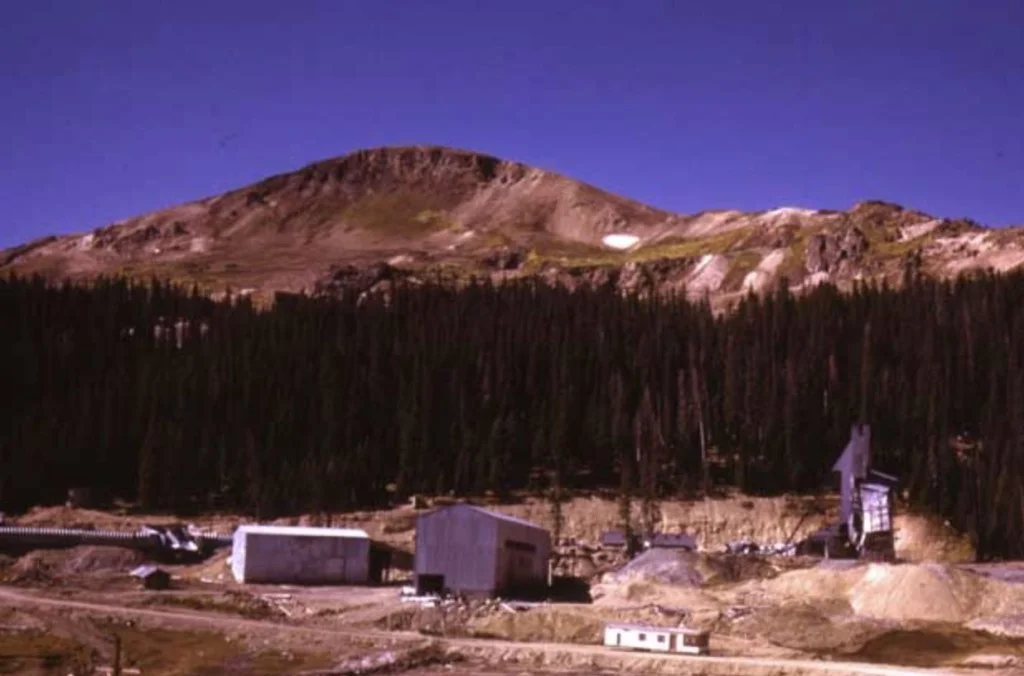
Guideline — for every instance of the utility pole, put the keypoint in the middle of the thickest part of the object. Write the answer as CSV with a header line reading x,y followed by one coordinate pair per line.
x,y
116,671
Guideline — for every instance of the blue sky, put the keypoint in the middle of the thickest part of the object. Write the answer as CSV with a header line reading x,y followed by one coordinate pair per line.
x,y
112,108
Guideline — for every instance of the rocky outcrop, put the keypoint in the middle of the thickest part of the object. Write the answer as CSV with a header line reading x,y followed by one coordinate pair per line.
x,y
506,258
360,279
644,279
835,252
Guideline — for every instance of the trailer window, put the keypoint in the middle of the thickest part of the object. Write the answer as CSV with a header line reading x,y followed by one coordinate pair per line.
x,y
661,638
643,637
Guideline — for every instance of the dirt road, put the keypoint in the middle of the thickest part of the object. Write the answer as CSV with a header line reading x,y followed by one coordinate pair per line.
x,y
481,647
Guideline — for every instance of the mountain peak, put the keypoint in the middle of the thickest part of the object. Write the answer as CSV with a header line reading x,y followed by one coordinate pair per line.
x,y
424,208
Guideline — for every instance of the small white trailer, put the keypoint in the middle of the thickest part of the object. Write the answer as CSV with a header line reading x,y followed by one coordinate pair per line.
x,y
657,639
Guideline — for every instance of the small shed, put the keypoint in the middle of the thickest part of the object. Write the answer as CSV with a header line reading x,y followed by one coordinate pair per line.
x,y
152,577
301,555
657,639
465,549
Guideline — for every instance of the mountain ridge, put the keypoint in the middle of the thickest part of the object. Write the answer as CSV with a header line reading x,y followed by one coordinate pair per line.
x,y
378,214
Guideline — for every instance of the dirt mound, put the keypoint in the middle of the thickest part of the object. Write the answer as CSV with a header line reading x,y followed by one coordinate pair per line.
x,y
929,592
820,583
44,566
29,569
540,625
662,566
899,592
634,596
101,560
690,569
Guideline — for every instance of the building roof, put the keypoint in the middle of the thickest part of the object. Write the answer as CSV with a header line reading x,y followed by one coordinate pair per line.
x,y
671,540
613,538
652,629
856,455
495,515
303,531
875,476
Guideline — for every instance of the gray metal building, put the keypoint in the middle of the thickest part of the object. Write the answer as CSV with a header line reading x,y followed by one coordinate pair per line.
x,y
301,555
469,550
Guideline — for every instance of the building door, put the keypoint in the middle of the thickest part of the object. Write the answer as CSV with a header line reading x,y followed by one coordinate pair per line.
x,y
429,584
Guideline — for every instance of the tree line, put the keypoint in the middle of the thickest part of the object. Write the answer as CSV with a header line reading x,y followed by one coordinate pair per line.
x,y
157,394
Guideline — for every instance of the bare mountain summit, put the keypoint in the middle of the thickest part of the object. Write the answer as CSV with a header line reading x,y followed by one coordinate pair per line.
x,y
376,215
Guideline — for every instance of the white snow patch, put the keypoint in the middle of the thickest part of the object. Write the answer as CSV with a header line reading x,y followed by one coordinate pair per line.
x,y
762,275
620,241
920,230
467,234
199,245
86,242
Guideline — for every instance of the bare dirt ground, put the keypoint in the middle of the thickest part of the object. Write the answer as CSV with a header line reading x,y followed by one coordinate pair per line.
x,y
153,638
767,614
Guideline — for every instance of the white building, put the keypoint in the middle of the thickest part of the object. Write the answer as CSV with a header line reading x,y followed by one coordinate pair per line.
x,y
301,555
658,639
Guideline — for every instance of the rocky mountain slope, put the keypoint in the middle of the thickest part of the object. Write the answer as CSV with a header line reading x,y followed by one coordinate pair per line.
x,y
376,215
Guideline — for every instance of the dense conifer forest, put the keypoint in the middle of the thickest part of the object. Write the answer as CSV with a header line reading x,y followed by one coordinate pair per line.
x,y
163,396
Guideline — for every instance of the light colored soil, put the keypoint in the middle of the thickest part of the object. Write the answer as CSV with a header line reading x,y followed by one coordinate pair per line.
x,y
277,639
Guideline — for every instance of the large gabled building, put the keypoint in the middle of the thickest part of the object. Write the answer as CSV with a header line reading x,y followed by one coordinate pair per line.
x,y
464,549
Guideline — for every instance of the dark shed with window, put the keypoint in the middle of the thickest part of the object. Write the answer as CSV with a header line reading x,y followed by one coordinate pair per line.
x,y
464,549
